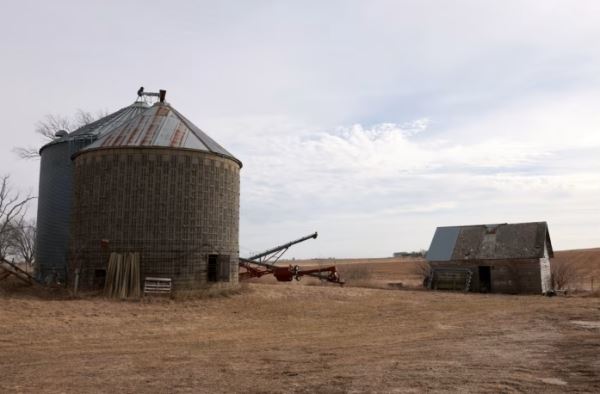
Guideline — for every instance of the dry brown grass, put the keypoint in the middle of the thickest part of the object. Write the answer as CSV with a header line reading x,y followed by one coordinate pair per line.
x,y
304,339
294,338
565,275
422,270
203,294
381,273
11,287
356,275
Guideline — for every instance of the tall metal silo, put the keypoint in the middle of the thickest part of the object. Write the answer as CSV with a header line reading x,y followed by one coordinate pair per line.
x,y
56,189
159,186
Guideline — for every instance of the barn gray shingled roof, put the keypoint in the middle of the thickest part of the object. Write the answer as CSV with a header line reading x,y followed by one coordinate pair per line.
x,y
490,242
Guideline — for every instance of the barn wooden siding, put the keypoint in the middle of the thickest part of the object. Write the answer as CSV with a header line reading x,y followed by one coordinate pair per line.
x,y
507,276
516,257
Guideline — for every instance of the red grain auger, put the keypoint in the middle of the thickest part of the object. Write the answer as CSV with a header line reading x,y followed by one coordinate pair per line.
x,y
264,264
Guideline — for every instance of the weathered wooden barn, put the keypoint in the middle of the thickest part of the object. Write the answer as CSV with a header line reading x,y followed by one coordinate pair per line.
x,y
499,258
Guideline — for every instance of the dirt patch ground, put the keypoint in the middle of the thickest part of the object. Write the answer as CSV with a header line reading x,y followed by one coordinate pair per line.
x,y
305,339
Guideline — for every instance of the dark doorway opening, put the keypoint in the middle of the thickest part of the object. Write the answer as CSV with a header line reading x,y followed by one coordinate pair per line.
x,y
485,279
99,278
212,273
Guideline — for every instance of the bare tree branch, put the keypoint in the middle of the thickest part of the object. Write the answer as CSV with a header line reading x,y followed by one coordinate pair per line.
x,y
82,118
422,270
51,124
24,241
564,274
7,237
12,211
29,152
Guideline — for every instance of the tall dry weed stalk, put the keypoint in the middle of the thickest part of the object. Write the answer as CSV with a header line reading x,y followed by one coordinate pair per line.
x,y
422,270
355,272
564,275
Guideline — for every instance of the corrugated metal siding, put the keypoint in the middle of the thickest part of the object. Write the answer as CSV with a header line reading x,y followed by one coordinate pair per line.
x,y
56,189
54,207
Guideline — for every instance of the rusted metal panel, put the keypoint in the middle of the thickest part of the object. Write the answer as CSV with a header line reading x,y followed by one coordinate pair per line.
x,y
101,126
160,126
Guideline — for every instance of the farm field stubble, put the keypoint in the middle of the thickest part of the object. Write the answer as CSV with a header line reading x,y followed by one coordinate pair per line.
x,y
297,338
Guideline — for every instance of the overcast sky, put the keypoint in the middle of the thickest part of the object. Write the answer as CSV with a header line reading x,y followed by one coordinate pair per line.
x,y
372,122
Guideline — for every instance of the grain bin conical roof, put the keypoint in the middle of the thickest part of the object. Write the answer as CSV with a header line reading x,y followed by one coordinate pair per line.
x,y
159,126
109,122
103,125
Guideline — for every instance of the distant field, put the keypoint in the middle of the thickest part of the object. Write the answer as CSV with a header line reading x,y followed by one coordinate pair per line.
x,y
383,271
587,264
376,272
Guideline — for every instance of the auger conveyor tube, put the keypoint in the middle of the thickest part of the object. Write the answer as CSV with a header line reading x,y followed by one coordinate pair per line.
x,y
282,247
265,264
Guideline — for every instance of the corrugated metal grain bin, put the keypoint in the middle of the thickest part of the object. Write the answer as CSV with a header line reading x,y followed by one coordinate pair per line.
x,y
56,190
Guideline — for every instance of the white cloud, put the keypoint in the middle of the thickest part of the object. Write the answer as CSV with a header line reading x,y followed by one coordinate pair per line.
x,y
389,173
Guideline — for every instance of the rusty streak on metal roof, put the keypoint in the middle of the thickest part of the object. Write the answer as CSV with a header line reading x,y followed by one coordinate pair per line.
x,y
103,125
159,126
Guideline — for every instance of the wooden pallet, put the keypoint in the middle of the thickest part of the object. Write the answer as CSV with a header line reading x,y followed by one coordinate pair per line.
x,y
155,285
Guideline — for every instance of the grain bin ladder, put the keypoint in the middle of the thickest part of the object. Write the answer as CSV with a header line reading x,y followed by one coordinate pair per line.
x,y
264,264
